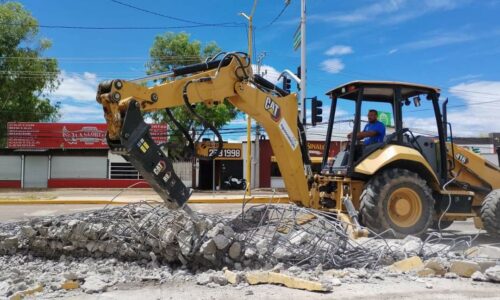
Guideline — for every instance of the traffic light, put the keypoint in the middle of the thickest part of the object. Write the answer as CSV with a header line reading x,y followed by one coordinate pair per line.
x,y
287,84
316,111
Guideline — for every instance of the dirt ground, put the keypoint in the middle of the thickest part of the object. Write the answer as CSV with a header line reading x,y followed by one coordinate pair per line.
x,y
387,289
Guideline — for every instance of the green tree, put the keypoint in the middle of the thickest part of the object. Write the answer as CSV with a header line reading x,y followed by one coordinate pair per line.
x,y
172,50
25,77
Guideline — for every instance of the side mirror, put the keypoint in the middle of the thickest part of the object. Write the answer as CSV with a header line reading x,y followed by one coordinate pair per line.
x,y
416,101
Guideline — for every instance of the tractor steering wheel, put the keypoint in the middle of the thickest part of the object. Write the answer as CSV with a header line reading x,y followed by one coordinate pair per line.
x,y
413,141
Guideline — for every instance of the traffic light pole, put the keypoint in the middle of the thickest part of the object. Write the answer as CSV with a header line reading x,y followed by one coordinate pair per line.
x,y
303,93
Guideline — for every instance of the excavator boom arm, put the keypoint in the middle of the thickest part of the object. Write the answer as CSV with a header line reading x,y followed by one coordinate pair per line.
x,y
230,78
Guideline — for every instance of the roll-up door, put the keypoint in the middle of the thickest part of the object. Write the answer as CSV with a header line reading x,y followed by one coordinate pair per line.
x,y
36,171
79,167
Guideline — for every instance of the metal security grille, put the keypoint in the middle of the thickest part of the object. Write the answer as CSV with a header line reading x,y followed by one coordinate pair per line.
x,y
123,170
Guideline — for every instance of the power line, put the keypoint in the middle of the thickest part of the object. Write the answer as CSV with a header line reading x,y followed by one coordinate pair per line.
x,y
278,16
227,24
122,28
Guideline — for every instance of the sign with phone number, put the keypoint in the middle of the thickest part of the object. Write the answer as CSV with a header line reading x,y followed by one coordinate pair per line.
x,y
229,151
226,153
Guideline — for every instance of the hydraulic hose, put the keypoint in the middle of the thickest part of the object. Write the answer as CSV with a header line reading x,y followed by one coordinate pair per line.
x,y
184,131
201,119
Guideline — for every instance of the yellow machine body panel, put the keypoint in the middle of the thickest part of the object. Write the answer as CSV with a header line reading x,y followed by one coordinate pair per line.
x,y
473,169
389,154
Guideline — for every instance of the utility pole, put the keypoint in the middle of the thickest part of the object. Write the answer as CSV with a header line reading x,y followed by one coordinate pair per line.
x,y
193,161
260,59
303,72
249,120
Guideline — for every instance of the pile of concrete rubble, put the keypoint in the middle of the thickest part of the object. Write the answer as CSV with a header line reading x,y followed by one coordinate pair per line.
x,y
93,251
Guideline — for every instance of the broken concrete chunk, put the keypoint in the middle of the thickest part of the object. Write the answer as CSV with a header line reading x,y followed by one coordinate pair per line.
x,y
336,273
94,284
184,239
286,280
281,253
27,292
70,285
235,250
219,279
228,232
410,264
412,245
217,229
493,273
28,231
426,272
478,276
203,279
233,277
438,267
250,252
262,246
208,247
294,270
299,238
464,268
70,276
168,236
335,282
485,251
221,242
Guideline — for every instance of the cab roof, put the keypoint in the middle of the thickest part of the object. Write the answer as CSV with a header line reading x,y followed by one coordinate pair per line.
x,y
381,90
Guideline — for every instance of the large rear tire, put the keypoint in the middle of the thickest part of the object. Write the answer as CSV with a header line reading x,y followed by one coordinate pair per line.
x,y
490,213
397,200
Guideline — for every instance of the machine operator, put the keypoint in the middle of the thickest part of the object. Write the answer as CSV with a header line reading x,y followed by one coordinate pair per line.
x,y
374,131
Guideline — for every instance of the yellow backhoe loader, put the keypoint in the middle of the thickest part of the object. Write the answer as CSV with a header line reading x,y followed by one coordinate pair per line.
x,y
403,185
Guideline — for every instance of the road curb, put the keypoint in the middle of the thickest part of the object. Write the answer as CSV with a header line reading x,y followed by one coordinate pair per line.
x,y
253,200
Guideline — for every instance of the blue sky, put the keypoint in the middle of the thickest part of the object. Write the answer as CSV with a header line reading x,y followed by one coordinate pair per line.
x,y
452,44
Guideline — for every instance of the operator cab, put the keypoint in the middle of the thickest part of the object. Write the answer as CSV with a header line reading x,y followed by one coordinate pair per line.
x,y
400,99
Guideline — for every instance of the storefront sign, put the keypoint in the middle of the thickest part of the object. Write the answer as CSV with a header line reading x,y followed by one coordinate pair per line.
x,y
316,149
31,135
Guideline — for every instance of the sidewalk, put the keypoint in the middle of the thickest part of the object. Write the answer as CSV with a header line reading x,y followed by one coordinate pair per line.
x,y
124,196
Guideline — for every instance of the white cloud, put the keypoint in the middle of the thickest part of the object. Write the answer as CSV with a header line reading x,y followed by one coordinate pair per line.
x,y
268,72
392,51
339,50
467,77
478,115
388,11
80,87
81,113
333,65
439,40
